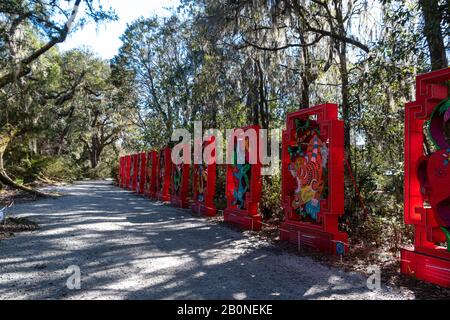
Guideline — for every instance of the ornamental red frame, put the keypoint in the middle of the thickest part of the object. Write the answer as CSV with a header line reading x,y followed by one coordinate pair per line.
x,y
204,183
180,185
121,171
127,164
242,207
142,173
151,167
135,172
315,138
164,173
427,177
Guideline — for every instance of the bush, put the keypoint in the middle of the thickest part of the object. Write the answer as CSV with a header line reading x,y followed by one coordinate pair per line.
x,y
271,197
57,168
61,169
104,170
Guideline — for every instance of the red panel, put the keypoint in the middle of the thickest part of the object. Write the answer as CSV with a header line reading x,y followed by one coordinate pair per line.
x,y
128,171
121,171
427,178
180,185
142,173
243,197
151,166
204,184
163,178
135,173
313,179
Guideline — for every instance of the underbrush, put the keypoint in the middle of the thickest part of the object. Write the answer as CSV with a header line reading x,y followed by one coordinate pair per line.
x,y
44,169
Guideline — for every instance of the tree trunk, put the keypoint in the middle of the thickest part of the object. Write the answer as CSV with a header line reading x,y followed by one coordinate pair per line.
x,y
342,52
432,29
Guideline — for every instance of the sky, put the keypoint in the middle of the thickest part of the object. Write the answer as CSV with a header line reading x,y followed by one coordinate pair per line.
x,y
104,39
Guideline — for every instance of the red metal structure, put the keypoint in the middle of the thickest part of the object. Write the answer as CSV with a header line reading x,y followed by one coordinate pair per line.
x,y
142,172
427,180
180,185
204,183
135,171
313,179
243,186
127,165
150,181
130,172
121,171
164,174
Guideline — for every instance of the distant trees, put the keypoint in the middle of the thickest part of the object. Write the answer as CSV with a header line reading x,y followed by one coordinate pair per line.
x,y
30,83
231,63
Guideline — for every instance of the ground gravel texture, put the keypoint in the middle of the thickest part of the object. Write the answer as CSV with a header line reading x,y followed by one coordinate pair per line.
x,y
128,247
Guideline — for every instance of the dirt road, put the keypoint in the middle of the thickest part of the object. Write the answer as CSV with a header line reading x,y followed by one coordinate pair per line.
x,y
128,247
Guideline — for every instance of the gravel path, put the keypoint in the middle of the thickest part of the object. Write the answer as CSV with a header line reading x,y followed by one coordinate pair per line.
x,y
128,247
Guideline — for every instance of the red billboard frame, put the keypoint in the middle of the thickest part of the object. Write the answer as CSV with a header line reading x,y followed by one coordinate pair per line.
x,y
164,174
150,173
308,169
427,180
243,205
204,183
180,185
142,170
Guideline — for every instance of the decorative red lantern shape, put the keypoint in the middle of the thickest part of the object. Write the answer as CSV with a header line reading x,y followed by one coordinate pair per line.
x,y
164,174
142,171
180,185
204,184
427,180
243,186
313,179
150,182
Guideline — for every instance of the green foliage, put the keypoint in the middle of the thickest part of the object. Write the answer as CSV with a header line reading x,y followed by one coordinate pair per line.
x,y
61,169
271,197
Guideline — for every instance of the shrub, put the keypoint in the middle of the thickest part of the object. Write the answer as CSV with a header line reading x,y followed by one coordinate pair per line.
x,y
61,169
271,197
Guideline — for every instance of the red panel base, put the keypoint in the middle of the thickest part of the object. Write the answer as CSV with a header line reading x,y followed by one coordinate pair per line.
x,y
163,198
311,238
179,202
245,221
425,267
203,210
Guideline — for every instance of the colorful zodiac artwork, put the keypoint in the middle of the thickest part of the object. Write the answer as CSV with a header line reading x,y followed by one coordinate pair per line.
x,y
127,171
164,174
138,172
308,166
150,172
313,179
427,180
142,172
131,177
204,187
180,185
135,176
243,189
